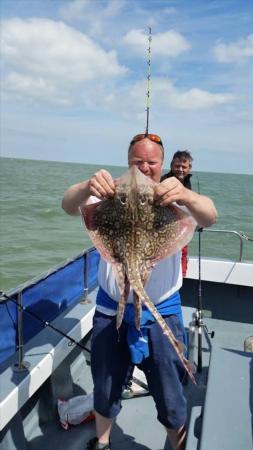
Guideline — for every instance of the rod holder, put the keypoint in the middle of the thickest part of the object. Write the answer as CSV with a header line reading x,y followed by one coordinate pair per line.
x,y
20,365
248,344
86,280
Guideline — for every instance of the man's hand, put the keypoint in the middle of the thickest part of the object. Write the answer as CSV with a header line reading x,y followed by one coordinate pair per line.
x,y
101,184
170,190
200,206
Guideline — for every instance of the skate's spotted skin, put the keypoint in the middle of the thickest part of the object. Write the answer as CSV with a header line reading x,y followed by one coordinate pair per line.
x,y
133,233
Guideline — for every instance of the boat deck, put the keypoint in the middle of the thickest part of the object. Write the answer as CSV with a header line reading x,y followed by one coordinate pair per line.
x,y
220,406
136,426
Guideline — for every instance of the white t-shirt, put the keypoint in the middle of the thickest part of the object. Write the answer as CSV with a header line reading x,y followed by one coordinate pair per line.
x,y
165,279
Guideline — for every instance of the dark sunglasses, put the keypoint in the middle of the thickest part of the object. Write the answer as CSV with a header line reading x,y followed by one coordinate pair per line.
x,y
151,137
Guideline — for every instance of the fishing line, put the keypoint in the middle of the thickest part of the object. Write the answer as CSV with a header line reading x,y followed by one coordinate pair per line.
x,y
44,322
9,313
148,78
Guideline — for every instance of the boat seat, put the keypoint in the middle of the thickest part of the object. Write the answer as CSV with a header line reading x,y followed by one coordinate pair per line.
x,y
44,353
228,410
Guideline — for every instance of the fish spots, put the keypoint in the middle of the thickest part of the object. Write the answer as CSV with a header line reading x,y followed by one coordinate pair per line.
x,y
133,234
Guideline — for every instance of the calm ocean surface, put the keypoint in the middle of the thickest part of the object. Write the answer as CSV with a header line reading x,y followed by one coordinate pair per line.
x,y
36,234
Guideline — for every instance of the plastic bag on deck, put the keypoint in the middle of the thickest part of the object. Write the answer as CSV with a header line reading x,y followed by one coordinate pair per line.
x,y
76,410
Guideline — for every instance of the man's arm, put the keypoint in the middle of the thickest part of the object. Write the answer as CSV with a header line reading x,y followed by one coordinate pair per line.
x,y
75,196
101,185
201,207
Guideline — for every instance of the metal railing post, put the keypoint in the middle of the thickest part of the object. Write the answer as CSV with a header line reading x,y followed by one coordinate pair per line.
x,y
236,233
86,279
241,248
20,365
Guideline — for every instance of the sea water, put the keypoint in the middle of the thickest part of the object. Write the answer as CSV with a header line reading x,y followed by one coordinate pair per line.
x,y
36,234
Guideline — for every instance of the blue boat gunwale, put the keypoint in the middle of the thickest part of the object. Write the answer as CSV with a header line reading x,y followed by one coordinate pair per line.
x,y
44,352
44,275
46,296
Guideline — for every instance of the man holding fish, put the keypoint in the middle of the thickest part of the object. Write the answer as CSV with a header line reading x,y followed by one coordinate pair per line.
x,y
151,336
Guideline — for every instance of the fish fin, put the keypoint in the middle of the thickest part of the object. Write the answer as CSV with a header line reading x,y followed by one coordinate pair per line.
x,y
124,288
120,311
136,284
138,311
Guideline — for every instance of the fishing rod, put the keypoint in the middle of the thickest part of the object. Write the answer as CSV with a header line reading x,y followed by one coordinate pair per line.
x,y
199,324
199,312
148,78
44,322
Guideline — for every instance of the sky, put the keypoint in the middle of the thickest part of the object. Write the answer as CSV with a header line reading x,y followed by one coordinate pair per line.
x,y
74,80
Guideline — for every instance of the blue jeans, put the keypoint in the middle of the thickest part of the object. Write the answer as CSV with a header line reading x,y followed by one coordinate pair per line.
x,y
111,368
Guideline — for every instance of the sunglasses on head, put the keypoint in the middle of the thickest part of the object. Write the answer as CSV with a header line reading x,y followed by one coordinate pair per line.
x,y
151,137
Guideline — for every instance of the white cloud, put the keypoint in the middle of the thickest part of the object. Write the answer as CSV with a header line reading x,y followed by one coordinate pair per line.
x,y
170,43
52,57
18,86
114,8
94,14
239,51
196,99
65,67
75,10
78,9
165,97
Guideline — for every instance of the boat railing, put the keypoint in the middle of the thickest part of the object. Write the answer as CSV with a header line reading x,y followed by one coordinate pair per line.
x,y
71,285
61,287
242,237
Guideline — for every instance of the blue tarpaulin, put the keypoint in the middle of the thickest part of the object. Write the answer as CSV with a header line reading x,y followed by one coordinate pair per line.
x,y
47,298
